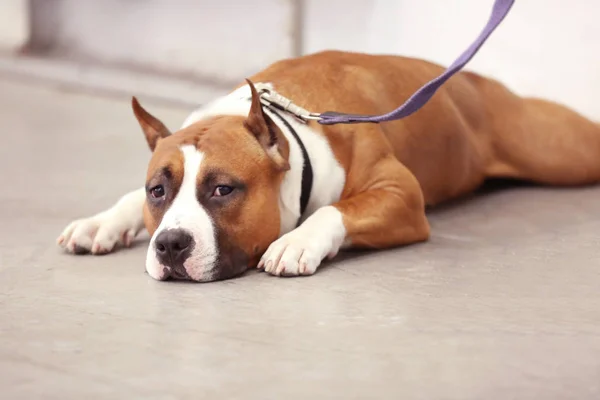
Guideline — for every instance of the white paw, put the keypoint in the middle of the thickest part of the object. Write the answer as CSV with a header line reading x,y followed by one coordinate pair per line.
x,y
98,234
301,251
292,255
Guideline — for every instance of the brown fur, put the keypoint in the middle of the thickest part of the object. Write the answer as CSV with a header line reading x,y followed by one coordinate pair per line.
x,y
474,128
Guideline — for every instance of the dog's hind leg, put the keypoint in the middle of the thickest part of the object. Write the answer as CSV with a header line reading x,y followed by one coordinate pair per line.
x,y
100,233
541,141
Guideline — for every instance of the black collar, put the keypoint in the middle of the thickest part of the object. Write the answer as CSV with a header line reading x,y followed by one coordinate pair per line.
x,y
307,171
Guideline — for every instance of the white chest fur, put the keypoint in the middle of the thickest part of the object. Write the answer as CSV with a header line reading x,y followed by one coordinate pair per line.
x,y
328,175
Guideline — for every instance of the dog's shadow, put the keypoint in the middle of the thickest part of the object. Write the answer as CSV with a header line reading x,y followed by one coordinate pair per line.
x,y
489,188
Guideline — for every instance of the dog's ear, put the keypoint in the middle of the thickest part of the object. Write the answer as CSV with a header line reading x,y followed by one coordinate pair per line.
x,y
154,130
267,132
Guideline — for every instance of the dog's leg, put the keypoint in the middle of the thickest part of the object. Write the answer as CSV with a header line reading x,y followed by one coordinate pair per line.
x,y
100,233
538,140
388,212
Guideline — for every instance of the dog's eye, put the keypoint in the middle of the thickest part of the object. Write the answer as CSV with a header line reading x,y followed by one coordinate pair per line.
x,y
222,190
157,191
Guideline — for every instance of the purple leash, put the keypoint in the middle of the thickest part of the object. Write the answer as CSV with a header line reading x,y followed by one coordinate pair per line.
x,y
422,96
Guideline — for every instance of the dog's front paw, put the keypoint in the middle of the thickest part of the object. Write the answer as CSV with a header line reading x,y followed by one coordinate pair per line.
x,y
98,234
301,251
292,255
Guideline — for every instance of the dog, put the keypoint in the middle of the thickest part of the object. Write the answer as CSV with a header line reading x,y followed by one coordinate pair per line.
x,y
241,185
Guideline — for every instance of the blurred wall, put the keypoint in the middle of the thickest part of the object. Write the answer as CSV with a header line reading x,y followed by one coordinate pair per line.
x,y
14,24
222,40
548,48
545,47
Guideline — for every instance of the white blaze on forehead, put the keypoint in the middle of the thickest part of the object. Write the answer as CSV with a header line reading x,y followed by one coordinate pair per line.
x,y
187,213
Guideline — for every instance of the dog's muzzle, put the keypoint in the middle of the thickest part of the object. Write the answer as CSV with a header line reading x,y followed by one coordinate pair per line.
x,y
173,247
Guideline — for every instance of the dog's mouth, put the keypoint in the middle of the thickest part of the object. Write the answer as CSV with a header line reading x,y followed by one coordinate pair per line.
x,y
199,266
177,273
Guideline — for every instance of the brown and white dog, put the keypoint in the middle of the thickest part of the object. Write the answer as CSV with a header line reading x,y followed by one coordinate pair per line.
x,y
223,193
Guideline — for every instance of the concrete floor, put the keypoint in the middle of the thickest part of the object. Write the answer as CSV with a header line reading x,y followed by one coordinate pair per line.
x,y
502,303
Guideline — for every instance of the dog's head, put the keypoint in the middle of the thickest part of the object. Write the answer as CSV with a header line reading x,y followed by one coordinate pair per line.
x,y
212,192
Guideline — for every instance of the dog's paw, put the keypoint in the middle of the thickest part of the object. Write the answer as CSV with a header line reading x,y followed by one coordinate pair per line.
x,y
301,251
292,255
98,234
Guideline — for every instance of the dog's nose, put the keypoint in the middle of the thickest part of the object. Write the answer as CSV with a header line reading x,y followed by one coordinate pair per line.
x,y
173,247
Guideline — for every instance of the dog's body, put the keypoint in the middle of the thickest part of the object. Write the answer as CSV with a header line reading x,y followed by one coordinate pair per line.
x,y
225,189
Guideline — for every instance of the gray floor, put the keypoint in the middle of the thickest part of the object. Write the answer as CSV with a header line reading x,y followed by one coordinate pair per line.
x,y
502,303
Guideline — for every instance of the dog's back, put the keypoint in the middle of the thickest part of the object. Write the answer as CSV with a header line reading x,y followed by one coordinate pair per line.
x,y
472,129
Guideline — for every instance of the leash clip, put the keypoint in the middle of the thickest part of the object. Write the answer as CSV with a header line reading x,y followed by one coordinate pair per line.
x,y
271,98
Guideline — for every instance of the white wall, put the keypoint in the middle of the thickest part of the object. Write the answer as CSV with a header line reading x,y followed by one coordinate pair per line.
x,y
14,24
548,48
222,40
